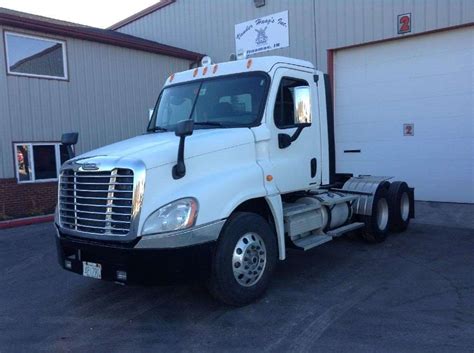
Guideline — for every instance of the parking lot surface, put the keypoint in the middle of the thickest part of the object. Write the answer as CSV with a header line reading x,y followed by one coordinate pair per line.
x,y
412,293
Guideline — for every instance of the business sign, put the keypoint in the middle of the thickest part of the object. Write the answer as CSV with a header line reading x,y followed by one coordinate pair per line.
x,y
262,34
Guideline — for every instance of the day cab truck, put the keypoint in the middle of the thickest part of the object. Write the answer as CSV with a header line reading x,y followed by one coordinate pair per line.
x,y
236,166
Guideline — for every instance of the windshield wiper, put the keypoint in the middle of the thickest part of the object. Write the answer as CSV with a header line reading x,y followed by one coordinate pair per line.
x,y
209,123
157,128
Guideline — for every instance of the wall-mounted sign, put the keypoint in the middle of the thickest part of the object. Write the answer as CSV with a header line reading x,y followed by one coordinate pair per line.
x,y
262,34
409,129
404,23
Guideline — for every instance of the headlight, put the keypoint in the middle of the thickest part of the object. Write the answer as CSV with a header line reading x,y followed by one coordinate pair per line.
x,y
179,214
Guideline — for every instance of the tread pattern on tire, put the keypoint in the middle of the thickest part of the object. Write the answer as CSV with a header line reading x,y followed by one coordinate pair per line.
x,y
372,233
397,224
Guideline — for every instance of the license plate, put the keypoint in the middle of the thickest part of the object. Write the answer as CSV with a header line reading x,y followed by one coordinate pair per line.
x,y
91,269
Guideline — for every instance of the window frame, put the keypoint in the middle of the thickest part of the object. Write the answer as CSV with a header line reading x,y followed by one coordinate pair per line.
x,y
293,126
47,39
261,110
30,145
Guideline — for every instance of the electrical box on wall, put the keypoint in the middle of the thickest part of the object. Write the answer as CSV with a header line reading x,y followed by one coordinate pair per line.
x,y
259,3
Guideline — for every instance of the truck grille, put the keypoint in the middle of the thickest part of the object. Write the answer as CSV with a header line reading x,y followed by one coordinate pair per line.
x,y
96,202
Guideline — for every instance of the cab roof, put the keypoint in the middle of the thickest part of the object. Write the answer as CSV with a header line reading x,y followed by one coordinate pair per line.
x,y
265,63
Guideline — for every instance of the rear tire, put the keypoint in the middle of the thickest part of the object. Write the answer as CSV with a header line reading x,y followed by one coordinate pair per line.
x,y
399,205
377,224
244,259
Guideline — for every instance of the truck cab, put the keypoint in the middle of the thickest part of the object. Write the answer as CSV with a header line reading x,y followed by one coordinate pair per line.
x,y
237,159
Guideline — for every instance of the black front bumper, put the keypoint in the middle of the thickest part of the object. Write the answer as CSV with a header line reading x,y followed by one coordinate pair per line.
x,y
141,265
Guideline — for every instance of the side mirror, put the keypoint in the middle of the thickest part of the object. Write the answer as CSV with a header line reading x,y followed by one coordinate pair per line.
x,y
183,128
69,140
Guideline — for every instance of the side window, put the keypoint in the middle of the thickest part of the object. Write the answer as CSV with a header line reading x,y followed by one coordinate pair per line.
x,y
35,56
292,104
39,161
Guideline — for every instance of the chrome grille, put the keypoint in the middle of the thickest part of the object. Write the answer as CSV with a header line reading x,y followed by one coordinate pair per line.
x,y
98,202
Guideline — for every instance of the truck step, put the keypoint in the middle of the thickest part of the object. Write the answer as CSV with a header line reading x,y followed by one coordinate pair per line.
x,y
344,229
311,241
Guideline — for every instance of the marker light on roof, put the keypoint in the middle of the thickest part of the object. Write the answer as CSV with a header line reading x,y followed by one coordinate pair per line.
x,y
171,78
214,69
195,72
206,61
204,71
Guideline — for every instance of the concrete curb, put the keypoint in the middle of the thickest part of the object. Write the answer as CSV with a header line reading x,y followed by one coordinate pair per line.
x,y
26,221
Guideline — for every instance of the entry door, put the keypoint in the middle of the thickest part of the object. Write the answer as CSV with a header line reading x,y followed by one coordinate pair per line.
x,y
292,104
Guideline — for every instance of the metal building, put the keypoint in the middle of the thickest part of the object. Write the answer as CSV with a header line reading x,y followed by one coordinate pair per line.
x,y
408,65
59,77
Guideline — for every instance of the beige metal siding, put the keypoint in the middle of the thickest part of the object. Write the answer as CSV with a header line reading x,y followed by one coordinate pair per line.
x,y
106,99
315,25
208,25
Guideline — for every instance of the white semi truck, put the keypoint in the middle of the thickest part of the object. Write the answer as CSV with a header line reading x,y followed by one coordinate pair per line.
x,y
236,166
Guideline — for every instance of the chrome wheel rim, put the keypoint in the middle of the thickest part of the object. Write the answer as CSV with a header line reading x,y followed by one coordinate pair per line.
x,y
249,259
382,213
404,206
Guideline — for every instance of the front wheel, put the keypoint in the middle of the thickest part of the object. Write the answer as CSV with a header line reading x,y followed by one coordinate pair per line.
x,y
244,259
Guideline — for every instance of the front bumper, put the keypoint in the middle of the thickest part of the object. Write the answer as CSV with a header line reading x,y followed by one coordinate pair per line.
x,y
149,259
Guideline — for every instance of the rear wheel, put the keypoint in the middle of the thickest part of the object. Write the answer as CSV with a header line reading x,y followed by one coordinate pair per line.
x,y
399,204
244,259
377,224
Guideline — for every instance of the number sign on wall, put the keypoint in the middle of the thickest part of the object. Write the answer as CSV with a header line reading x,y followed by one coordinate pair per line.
x,y
404,23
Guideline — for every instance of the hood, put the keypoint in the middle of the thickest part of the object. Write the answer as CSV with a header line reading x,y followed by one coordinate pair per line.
x,y
156,149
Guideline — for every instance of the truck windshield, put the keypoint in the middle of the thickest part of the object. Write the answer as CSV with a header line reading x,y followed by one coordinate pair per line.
x,y
227,101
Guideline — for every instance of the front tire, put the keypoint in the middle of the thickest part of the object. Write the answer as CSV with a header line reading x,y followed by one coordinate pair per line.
x,y
244,259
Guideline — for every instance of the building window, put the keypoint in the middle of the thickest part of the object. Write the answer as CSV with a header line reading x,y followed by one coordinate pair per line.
x,y
293,103
37,162
35,56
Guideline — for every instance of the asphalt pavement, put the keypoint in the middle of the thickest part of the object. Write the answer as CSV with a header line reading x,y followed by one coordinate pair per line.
x,y
412,293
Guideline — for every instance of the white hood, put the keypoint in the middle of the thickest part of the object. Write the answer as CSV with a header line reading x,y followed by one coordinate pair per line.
x,y
156,149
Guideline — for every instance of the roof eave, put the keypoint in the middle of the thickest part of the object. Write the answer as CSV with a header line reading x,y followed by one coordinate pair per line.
x,y
97,35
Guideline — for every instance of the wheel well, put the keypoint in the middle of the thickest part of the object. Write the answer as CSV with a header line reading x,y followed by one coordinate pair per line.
x,y
260,207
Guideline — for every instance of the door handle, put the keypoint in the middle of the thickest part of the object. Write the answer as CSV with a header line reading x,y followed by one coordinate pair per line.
x,y
314,167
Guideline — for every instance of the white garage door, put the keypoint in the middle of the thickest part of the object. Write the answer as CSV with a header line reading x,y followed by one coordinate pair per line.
x,y
426,81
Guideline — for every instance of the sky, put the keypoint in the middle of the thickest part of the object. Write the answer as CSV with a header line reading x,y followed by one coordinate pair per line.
x,y
97,13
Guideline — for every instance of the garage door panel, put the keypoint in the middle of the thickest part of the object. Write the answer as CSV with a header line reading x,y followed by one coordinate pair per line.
x,y
430,183
426,80
405,88
428,45
380,150
433,109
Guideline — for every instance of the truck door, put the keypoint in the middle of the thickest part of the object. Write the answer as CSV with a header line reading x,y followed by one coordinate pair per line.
x,y
292,116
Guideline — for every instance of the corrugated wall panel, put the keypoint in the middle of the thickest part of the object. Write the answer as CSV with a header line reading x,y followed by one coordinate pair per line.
x,y
106,99
315,25
5,128
208,25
